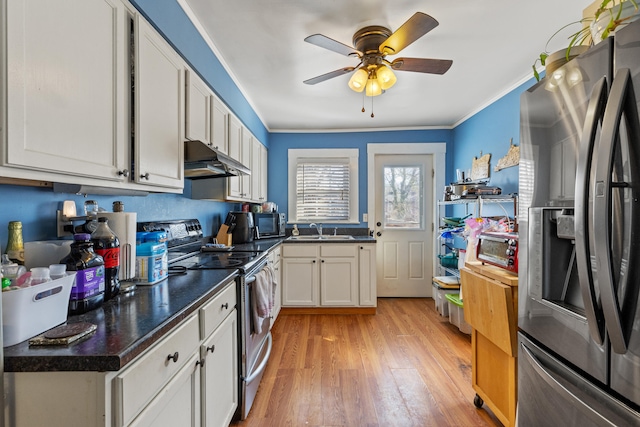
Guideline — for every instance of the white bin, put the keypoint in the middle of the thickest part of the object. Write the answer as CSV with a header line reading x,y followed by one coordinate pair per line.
x,y
27,312
443,285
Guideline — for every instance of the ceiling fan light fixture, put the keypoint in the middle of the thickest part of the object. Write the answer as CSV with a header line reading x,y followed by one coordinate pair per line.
x,y
358,80
386,77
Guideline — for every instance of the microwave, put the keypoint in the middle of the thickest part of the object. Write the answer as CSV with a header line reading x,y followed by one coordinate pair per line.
x,y
499,249
269,224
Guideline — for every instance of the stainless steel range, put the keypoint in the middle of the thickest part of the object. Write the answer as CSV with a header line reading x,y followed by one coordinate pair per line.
x,y
188,251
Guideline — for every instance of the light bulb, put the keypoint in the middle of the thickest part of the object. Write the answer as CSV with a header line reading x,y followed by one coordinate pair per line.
x,y
386,77
358,80
373,86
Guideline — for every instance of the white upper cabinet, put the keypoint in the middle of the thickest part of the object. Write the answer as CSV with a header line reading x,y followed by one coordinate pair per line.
x,y
258,171
198,113
159,110
67,88
219,125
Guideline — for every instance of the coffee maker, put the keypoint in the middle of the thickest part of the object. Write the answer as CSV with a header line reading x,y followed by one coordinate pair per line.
x,y
243,229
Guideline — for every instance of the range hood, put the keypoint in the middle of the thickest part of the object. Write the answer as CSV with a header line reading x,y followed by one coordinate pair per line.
x,y
203,161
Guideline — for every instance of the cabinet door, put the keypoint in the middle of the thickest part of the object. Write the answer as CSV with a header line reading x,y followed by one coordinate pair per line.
x,y
220,374
67,86
178,403
299,282
367,274
263,173
338,281
198,109
159,112
220,126
245,159
235,148
256,173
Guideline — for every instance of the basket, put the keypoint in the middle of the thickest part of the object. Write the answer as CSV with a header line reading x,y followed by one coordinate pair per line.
x,y
27,312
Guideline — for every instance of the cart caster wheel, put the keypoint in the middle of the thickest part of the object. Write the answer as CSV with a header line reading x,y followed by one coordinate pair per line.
x,y
478,402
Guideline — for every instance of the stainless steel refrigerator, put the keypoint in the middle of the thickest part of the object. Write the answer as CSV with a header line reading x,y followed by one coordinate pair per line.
x,y
579,265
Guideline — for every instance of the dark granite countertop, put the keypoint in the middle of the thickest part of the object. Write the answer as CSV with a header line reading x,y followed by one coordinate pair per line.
x,y
356,239
127,325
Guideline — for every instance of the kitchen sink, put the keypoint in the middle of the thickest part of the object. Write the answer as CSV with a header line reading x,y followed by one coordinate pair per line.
x,y
316,237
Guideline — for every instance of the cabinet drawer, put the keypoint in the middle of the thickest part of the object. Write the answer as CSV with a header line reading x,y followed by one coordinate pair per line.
x,y
299,251
217,309
339,250
138,384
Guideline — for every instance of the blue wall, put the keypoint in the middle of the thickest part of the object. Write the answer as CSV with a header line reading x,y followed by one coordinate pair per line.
x,y
280,143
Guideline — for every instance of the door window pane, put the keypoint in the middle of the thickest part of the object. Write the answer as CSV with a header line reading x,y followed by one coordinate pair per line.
x,y
403,197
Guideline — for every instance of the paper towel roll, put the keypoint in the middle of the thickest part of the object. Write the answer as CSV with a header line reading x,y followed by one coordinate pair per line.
x,y
124,226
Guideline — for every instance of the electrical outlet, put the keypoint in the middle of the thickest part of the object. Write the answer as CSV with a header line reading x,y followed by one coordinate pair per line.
x,y
365,217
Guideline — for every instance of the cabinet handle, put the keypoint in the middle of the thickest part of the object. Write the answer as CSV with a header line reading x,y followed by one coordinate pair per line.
x,y
225,305
378,223
361,247
145,176
314,261
211,349
200,362
321,260
378,234
124,172
173,357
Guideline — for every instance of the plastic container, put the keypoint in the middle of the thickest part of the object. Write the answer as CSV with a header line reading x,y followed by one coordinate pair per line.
x,y
42,253
88,289
27,312
439,292
152,263
456,313
57,271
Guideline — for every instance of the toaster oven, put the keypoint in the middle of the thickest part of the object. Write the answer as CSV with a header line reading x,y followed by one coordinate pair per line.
x,y
499,249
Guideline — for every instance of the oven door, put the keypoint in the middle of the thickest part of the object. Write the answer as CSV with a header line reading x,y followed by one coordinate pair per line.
x,y
256,341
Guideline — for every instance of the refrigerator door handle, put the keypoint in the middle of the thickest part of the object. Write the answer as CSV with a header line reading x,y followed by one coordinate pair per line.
x,y
560,389
584,233
618,313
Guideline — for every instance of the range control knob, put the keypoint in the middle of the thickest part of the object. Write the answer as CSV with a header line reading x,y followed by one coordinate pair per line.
x,y
510,261
511,252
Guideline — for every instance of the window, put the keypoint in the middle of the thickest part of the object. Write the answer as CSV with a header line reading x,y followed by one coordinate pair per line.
x,y
323,185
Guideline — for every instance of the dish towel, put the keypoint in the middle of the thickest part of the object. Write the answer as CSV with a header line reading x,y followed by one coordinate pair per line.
x,y
264,290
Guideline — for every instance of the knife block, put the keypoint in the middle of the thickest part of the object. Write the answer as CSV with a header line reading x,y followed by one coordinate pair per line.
x,y
224,237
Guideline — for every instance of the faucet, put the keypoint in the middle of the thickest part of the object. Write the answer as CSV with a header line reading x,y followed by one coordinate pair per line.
x,y
317,227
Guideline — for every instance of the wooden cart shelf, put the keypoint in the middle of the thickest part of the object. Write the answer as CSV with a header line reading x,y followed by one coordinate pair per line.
x,y
491,308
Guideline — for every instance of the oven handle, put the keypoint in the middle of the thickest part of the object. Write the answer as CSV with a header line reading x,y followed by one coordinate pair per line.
x,y
263,364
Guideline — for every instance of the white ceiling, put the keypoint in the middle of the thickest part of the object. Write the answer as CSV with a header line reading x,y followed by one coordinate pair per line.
x,y
492,43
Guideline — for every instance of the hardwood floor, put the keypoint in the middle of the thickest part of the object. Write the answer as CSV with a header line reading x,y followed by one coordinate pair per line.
x,y
404,366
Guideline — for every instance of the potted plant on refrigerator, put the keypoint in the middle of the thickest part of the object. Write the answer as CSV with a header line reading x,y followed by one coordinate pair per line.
x,y
606,19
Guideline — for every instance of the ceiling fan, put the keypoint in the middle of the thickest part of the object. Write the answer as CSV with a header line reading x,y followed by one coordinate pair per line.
x,y
372,44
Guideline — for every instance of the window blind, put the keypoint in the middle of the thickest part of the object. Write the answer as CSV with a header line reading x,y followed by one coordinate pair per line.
x,y
322,190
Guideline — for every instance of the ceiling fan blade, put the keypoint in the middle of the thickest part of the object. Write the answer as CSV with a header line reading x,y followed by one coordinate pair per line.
x,y
422,65
330,75
331,44
415,27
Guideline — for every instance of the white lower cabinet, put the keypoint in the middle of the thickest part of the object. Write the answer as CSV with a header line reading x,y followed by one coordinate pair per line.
x,y
328,275
147,379
188,378
219,355
178,403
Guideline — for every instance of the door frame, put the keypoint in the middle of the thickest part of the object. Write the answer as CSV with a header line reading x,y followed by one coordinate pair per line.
x,y
437,149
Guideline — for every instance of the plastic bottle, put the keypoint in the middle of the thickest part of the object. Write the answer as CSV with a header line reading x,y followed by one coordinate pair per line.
x,y
38,275
88,289
295,230
15,245
107,245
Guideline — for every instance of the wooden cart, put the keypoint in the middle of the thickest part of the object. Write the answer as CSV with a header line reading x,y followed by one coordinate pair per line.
x,y
491,308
